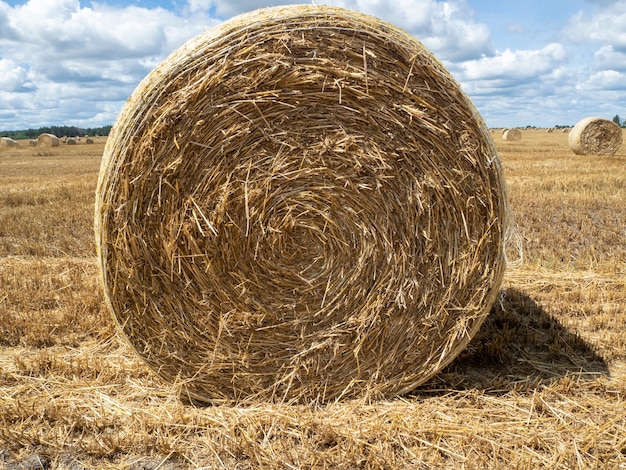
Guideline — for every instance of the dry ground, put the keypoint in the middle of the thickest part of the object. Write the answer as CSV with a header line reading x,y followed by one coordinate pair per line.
x,y
543,384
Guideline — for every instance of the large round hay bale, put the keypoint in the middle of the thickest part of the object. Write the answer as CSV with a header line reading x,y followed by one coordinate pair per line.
x,y
512,135
71,141
595,136
300,204
7,142
47,140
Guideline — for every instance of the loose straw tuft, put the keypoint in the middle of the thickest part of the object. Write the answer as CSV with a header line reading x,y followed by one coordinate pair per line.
x,y
595,136
300,205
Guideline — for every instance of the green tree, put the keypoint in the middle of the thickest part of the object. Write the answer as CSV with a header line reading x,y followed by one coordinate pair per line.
x,y
616,120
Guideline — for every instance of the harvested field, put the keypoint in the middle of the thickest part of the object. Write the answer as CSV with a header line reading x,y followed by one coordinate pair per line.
x,y
542,384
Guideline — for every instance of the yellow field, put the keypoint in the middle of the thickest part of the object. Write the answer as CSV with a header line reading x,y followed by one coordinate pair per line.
x,y
542,385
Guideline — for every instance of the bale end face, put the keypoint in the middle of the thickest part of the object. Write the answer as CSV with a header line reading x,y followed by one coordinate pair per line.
x,y
300,205
48,140
595,136
512,135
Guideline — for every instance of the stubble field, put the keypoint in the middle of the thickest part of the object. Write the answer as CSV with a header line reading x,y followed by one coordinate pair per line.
x,y
542,385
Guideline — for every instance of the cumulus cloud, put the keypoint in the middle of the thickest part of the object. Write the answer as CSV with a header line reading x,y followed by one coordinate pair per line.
x,y
606,58
509,68
54,49
606,25
14,77
605,80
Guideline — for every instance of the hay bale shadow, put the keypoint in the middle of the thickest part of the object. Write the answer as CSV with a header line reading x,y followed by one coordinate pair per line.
x,y
519,346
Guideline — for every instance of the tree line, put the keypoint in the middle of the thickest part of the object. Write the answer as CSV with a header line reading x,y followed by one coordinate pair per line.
x,y
59,131
618,121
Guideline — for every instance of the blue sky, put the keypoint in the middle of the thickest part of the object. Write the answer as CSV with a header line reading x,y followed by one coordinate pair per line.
x,y
540,63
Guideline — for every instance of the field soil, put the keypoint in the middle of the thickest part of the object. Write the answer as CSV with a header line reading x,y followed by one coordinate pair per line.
x,y
542,384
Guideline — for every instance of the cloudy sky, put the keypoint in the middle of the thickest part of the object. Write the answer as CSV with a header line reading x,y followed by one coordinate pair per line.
x,y
537,62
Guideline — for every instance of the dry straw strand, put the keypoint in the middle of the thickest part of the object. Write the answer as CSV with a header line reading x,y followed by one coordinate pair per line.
x,y
595,136
47,140
300,205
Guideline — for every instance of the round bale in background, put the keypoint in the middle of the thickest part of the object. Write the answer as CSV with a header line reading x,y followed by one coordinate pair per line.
x,y
7,142
512,135
47,140
595,136
300,205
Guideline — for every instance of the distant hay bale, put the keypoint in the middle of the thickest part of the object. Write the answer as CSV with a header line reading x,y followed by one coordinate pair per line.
x,y
565,130
549,130
512,135
32,142
7,142
47,140
89,140
595,136
303,205
70,141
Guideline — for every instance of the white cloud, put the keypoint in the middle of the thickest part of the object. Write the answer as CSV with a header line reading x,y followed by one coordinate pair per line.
x,y
606,58
509,68
14,77
605,80
79,62
606,26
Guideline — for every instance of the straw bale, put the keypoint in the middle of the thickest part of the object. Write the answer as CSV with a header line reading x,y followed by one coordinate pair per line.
x,y
512,135
47,140
89,140
595,136
70,141
300,205
32,142
7,142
